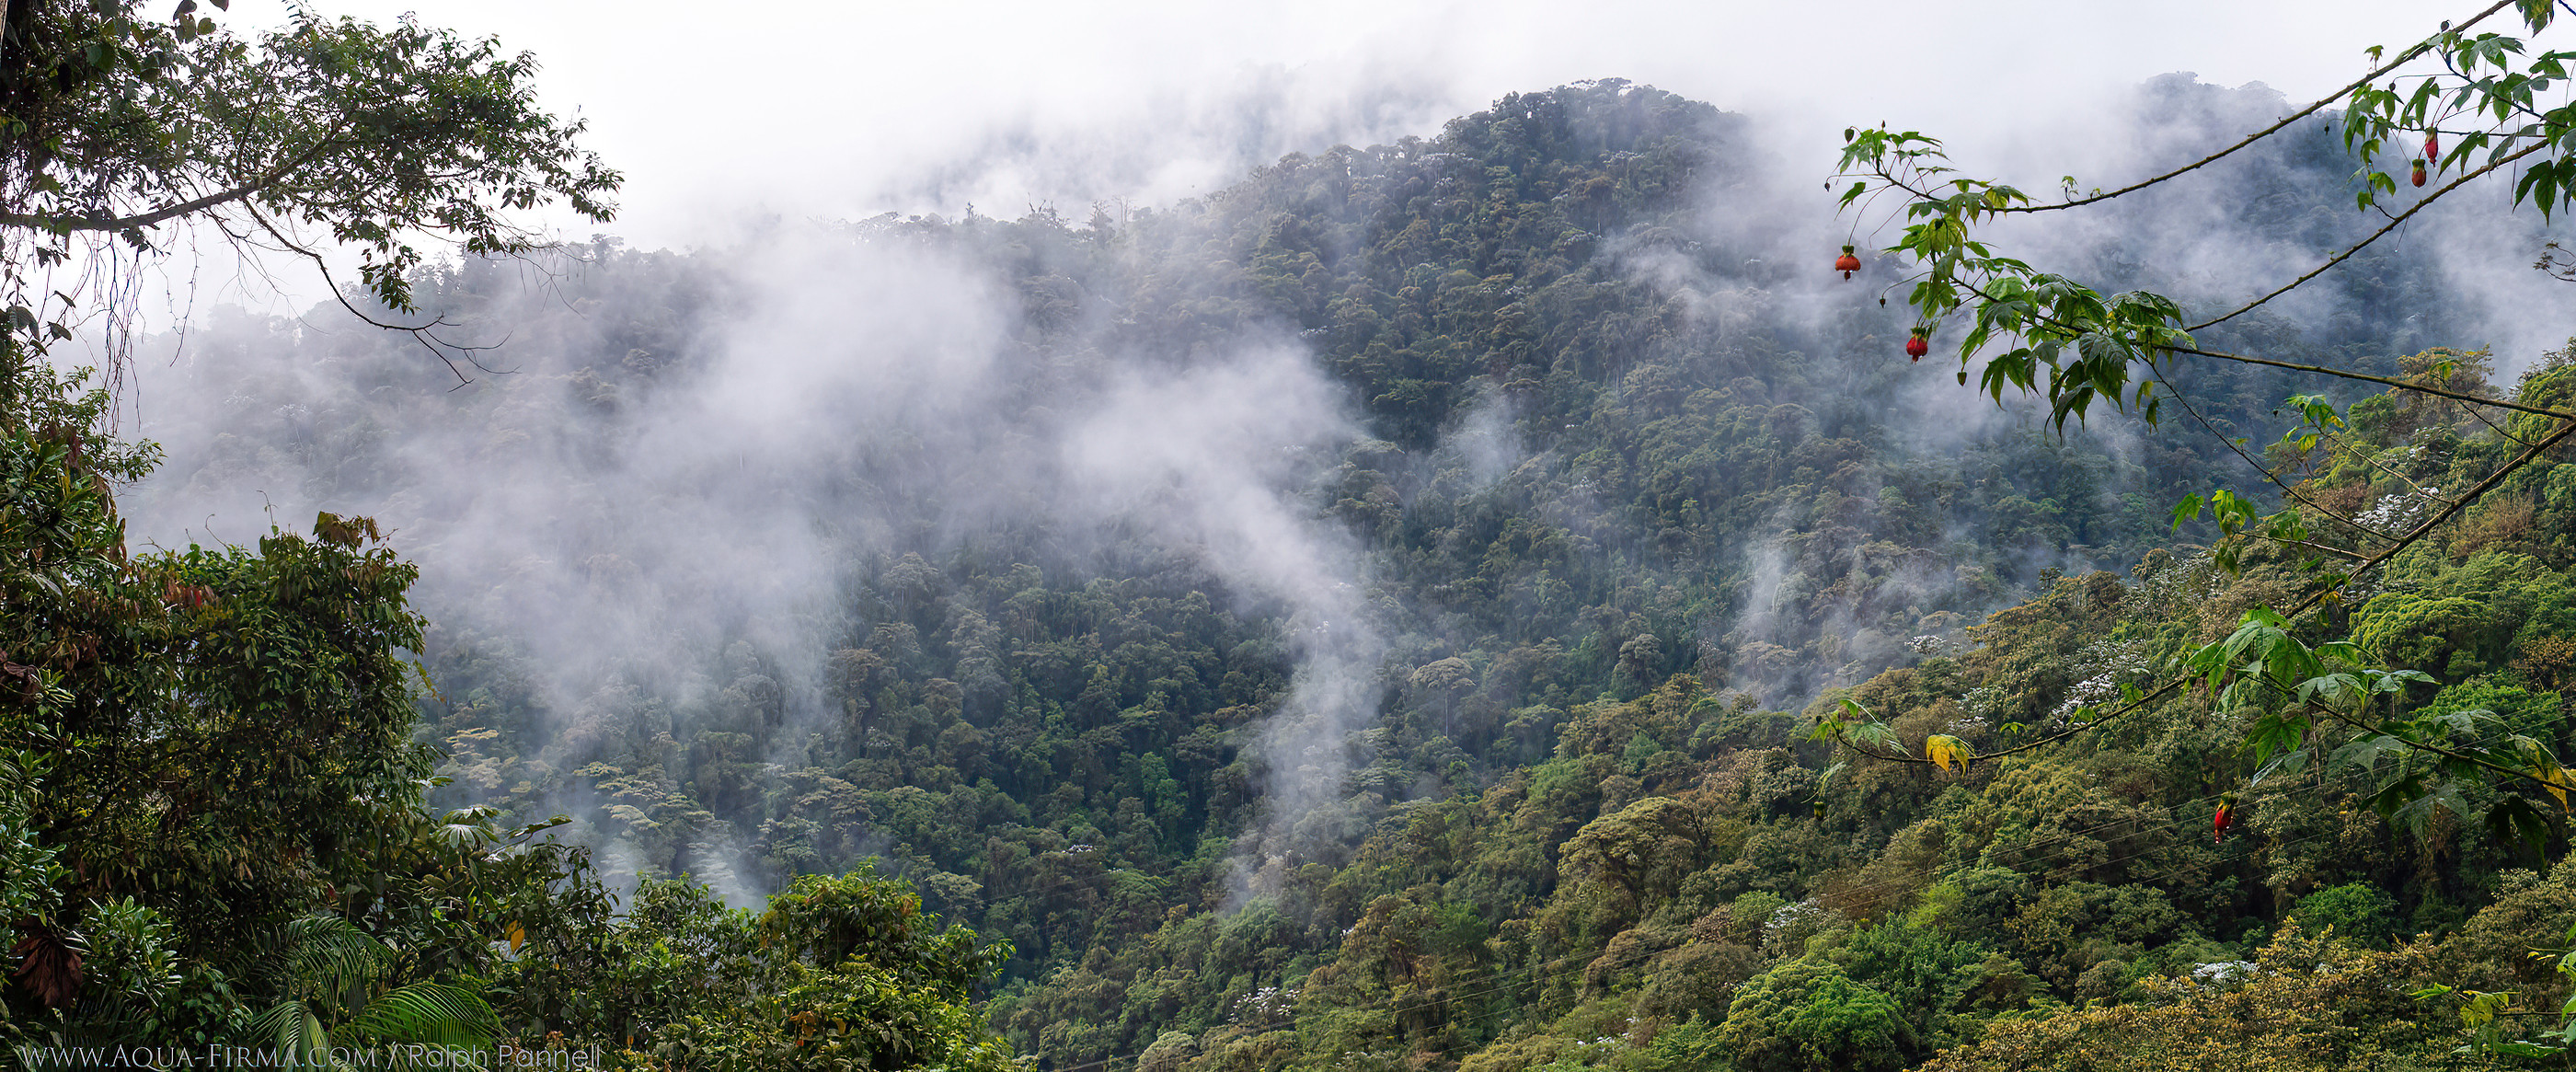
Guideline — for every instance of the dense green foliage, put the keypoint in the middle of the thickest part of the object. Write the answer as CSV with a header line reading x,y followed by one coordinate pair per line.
x,y
1696,495
1627,518
218,832
1586,828
213,799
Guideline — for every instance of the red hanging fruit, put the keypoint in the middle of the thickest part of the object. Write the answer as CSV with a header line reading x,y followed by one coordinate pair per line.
x,y
2433,145
1917,346
2418,176
2225,820
1847,263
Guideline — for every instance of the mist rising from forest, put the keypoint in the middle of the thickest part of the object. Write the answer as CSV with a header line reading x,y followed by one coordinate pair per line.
x,y
725,512
852,395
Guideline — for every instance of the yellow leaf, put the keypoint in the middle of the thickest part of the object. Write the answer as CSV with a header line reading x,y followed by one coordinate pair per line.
x,y
1946,752
2556,779
518,934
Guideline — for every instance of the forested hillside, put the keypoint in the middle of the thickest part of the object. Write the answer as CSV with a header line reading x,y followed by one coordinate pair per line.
x,y
1376,616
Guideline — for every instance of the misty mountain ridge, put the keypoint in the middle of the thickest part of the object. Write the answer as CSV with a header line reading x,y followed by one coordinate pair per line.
x,y
1107,578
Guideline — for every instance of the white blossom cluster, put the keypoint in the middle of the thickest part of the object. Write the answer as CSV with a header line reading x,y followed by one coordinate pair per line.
x,y
2105,664
2091,692
2398,511
2182,584
1983,702
2222,973
1267,1003
1788,914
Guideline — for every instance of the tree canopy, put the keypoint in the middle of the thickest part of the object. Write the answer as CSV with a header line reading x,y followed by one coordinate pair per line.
x,y
324,134
214,805
1724,721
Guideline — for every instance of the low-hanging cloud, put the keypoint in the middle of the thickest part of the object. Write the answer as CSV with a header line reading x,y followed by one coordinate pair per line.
x,y
848,394
831,396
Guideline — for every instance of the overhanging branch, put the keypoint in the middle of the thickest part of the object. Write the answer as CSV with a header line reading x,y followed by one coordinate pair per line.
x,y
2402,59
168,213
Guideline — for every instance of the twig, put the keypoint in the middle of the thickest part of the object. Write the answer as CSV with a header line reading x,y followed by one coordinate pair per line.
x,y
2286,489
425,334
2365,377
2565,428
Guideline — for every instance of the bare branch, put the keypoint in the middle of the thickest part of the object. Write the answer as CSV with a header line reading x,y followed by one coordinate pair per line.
x,y
425,334
163,215
2365,377
2402,59
2268,474
2393,222
2566,427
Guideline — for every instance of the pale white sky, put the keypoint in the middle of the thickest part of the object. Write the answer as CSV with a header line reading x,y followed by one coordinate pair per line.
x,y
722,112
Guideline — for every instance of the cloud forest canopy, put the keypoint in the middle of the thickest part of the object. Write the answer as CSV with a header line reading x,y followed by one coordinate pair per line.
x,y
1375,616
1057,733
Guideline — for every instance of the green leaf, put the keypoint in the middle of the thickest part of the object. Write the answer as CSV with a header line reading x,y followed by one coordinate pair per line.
x,y
2186,510
429,1012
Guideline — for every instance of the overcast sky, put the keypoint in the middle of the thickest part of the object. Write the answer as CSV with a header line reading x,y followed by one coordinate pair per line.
x,y
722,112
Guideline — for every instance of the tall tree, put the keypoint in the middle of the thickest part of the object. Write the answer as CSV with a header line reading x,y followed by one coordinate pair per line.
x,y
390,140
197,749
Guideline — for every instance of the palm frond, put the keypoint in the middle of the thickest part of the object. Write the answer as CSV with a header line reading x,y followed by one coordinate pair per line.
x,y
281,1023
330,955
427,1012
292,1030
